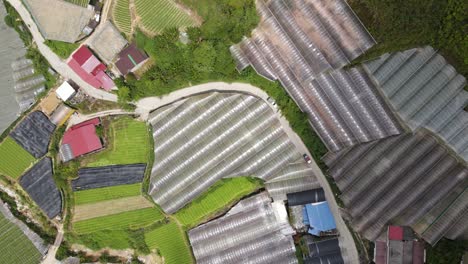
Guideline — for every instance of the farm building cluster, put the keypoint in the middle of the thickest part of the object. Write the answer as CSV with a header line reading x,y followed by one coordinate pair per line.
x,y
395,127
113,49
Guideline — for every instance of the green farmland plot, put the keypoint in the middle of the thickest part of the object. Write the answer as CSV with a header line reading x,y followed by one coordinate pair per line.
x,y
107,193
122,17
15,160
170,240
131,219
157,15
215,199
83,3
129,143
15,247
116,239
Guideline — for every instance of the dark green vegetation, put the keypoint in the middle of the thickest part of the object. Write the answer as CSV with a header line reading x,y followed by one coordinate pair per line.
x,y
207,58
62,49
218,198
447,251
403,24
41,65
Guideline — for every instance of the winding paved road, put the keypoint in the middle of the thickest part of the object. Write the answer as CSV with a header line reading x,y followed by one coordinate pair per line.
x,y
58,64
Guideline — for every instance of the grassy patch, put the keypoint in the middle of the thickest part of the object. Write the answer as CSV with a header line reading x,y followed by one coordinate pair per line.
x,y
128,220
157,15
62,49
128,143
116,239
15,247
171,242
107,193
217,198
15,160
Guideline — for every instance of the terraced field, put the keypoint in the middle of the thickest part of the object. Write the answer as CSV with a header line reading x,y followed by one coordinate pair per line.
x,y
170,240
15,247
127,220
157,15
129,143
217,198
83,3
121,16
107,193
15,160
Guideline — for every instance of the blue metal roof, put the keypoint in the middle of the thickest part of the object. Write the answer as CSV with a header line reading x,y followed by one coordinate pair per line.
x,y
319,217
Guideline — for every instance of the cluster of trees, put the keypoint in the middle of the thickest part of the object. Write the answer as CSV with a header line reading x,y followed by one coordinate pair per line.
x,y
207,58
403,24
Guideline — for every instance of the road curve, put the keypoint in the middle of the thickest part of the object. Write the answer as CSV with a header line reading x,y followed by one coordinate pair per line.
x,y
58,64
146,105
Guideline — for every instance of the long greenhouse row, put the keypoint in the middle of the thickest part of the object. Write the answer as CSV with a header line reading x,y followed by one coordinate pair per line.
x,y
249,233
298,43
412,178
204,138
425,91
386,123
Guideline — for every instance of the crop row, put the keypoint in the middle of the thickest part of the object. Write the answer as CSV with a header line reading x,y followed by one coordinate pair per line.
x,y
170,240
107,193
122,17
131,219
15,160
83,3
161,14
15,247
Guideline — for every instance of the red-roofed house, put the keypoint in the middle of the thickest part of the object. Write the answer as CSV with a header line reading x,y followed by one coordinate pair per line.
x,y
90,69
395,233
80,139
400,247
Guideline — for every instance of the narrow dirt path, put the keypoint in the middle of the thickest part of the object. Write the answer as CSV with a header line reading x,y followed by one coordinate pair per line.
x,y
135,19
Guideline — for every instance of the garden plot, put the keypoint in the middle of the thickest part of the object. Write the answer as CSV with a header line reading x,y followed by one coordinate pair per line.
x,y
170,241
161,14
93,210
90,178
122,17
83,3
127,220
107,193
15,247
216,199
34,133
128,143
40,185
15,160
